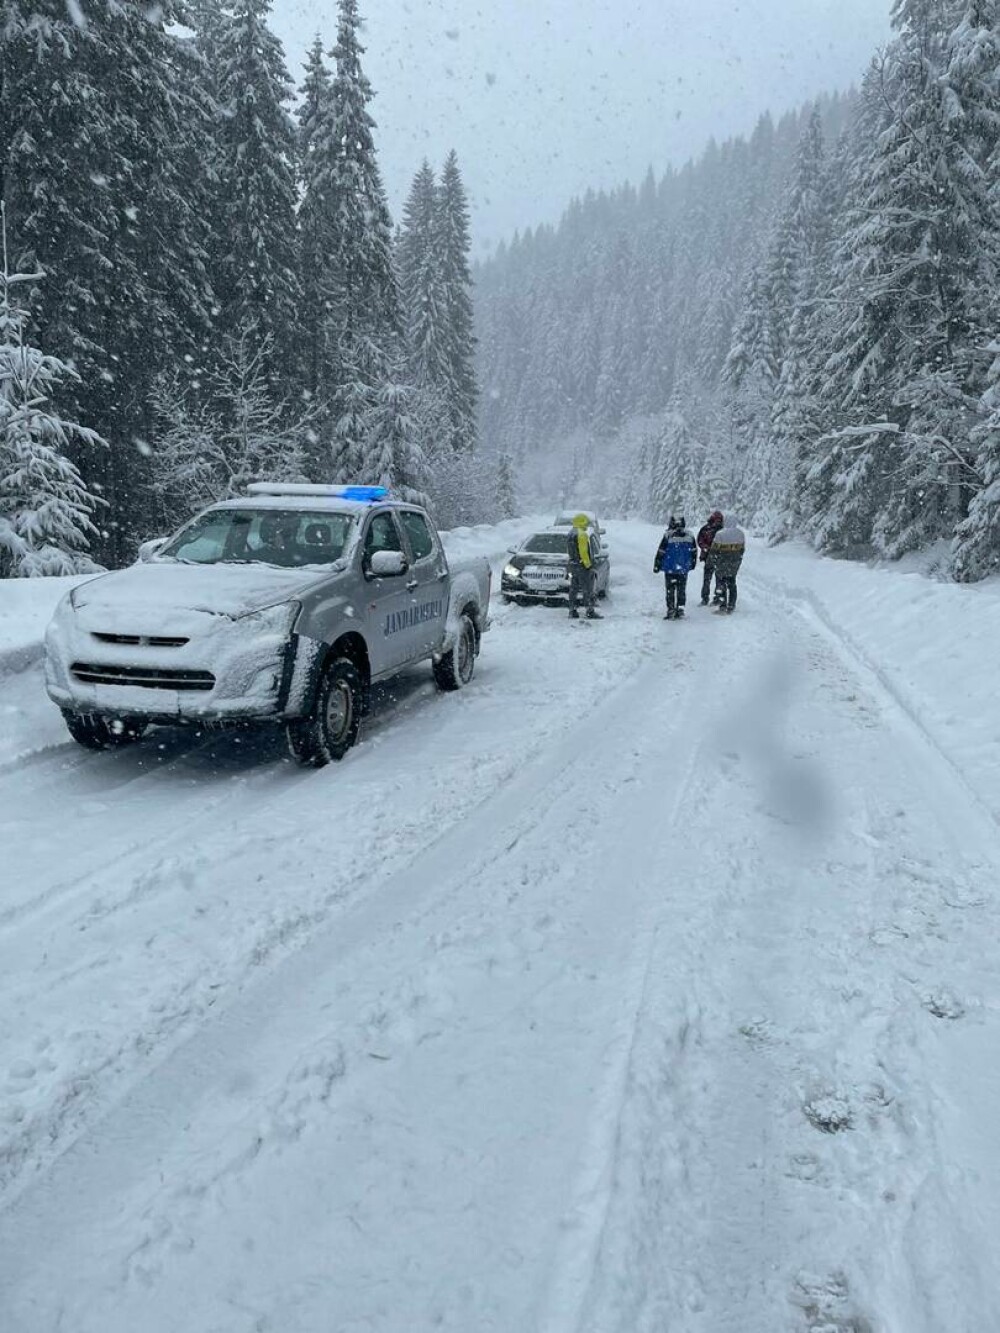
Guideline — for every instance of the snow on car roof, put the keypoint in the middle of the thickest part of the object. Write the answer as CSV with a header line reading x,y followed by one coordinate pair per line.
x,y
309,498
328,504
312,503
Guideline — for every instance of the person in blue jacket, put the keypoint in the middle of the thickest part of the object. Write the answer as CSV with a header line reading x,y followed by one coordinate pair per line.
x,y
676,556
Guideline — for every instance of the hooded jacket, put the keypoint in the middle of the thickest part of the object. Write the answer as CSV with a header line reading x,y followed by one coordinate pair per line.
x,y
706,536
677,552
728,549
578,543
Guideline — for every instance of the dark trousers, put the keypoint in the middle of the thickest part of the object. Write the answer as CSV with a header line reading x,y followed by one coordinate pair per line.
x,y
676,585
582,584
726,587
706,582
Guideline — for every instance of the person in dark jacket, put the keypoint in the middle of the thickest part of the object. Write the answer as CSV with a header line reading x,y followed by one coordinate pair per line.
x,y
706,537
582,575
728,548
676,556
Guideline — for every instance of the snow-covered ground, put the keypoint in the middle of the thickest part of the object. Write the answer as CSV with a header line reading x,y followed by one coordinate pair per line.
x,y
650,983
26,606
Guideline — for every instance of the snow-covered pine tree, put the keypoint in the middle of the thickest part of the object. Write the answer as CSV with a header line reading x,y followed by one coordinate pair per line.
x,y
396,459
102,134
976,550
505,493
423,294
676,480
318,149
918,249
366,306
810,401
750,377
974,62
255,260
211,443
46,510
802,240
456,280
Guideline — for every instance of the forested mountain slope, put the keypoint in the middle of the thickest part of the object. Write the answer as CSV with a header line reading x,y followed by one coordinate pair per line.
x,y
801,325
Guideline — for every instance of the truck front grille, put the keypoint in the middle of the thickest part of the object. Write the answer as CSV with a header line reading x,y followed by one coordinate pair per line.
x,y
150,678
145,640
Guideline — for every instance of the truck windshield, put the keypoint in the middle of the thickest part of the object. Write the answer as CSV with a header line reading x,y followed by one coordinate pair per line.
x,y
288,538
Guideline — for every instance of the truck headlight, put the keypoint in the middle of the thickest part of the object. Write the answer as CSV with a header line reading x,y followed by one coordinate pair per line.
x,y
511,572
277,620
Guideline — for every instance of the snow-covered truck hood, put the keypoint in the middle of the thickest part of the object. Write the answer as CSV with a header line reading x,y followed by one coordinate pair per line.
x,y
147,595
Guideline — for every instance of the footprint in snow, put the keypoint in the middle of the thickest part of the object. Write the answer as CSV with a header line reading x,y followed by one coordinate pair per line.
x,y
806,1166
829,1113
943,1003
827,1305
757,1032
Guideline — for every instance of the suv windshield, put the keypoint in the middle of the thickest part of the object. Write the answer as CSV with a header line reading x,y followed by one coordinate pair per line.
x,y
288,538
546,543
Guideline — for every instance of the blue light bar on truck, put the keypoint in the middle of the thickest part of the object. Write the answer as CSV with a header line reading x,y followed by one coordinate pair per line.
x,y
360,494
364,493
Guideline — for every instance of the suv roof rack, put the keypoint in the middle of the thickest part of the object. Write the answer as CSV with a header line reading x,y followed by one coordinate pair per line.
x,y
362,494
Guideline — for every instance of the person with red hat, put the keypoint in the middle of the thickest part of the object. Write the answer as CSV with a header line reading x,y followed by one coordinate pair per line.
x,y
706,537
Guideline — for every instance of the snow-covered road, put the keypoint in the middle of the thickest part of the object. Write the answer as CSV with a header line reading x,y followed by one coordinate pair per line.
x,y
650,984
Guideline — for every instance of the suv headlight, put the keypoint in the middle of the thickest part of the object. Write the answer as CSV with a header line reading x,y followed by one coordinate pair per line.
x,y
511,572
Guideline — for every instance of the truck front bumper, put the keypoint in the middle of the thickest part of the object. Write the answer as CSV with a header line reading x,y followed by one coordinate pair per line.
x,y
234,672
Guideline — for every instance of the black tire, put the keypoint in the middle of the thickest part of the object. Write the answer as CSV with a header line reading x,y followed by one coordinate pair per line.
x,y
333,726
454,669
88,729
95,732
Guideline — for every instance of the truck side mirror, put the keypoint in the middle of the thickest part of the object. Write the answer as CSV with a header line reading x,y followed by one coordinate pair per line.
x,y
148,549
386,564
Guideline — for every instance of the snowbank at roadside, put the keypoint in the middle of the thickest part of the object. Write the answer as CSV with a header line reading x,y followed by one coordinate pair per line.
x,y
935,646
26,606
492,540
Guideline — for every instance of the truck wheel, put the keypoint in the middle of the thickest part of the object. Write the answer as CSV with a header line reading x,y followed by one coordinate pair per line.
x,y
95,732
88,729
454,669
335,721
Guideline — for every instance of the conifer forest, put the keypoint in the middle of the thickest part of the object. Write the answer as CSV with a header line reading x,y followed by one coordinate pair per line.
x,y
202,285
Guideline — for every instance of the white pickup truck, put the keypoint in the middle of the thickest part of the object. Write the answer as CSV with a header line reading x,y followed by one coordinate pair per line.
x,y
285,605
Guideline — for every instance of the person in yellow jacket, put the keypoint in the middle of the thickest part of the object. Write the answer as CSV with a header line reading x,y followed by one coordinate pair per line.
x,y
582,576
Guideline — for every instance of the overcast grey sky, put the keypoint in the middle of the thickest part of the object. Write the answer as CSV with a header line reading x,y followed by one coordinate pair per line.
x,y
543,98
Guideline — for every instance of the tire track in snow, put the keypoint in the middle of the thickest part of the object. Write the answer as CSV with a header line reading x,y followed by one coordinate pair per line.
x,y
191,1001
588,1220
664,1258
431,887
